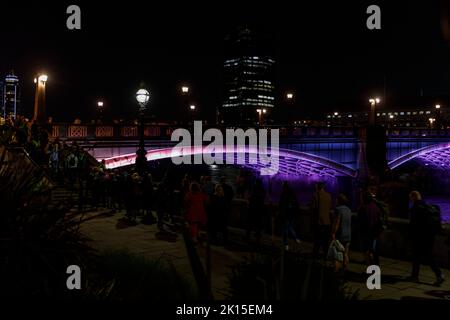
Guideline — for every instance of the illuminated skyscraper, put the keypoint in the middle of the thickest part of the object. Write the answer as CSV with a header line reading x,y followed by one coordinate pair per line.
x,y
10,95
248,81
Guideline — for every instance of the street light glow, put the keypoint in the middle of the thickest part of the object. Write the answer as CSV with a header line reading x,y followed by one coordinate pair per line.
x,y
192,107
289,95
43,78
100,104
438,106
142,96
184,89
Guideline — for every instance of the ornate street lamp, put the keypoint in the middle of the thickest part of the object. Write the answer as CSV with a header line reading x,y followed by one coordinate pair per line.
x,y
142,97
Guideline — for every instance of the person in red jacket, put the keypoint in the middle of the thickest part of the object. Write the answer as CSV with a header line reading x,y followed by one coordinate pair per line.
x,y
195,213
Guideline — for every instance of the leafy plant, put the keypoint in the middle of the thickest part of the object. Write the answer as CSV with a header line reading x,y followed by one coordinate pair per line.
x,y
131,277
259,277
37,242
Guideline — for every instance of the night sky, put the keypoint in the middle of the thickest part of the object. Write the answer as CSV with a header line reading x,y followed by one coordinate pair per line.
x,y
324,51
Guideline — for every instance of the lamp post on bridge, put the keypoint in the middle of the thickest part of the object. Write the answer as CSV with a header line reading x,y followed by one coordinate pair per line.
x,y
39,99
260,112
142,97
438,117
100,109
373,104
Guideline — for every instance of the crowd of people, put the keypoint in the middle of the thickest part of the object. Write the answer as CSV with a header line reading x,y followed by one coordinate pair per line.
x,y
25,133
336,224
207,205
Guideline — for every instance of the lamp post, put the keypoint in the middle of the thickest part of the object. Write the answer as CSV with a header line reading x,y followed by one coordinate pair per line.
x,y
39,99
185,97
142,97
335,116
192,109
431,120
391,119
100,109
438,116
184,90
373,103
287,110
260,115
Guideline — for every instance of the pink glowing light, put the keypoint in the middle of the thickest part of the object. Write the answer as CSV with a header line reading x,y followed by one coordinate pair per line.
x,y
290,161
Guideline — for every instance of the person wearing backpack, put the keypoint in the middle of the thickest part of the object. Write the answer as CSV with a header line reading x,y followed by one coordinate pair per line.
x,y
371,228
424,226
342,228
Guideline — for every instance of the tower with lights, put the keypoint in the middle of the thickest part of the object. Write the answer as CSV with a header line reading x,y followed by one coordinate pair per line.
x,y
10,96
248,81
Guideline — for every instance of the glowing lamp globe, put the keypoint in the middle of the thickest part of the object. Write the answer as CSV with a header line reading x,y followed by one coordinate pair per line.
x,y
142,96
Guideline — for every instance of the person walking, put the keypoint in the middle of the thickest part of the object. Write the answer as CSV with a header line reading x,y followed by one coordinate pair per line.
x,y
424,225
195,213
229,195
162,199
72,167
342,228
256,210
289,209
148,201
321,220
217,215
371,227
54,157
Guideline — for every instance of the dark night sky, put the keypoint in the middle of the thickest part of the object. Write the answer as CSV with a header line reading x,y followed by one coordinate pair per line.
x,y
324,52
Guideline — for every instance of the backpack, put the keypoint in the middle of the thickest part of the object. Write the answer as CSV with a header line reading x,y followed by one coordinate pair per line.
x,y
434,219
384,208
72,162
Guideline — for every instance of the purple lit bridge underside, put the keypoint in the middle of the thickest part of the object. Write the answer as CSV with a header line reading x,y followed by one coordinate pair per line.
x,y
436,155
291,162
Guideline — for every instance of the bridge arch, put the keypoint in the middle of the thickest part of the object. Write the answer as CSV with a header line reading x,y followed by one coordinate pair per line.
x,y
290,161
438,154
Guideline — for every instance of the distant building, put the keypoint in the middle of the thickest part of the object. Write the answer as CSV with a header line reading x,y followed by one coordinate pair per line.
x,y
424,117
249,89
10,96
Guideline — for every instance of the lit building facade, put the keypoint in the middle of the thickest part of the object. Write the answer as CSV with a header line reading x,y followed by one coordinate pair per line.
x,y
249,89
10,96
425,117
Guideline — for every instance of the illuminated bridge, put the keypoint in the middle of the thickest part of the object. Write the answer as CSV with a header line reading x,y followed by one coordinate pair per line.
x,y
303,150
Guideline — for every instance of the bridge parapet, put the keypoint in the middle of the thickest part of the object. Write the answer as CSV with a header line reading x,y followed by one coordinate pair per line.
x,y
106,132
130,131
419,132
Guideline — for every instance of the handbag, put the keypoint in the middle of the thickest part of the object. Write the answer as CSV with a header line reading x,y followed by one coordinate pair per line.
x,y
336,251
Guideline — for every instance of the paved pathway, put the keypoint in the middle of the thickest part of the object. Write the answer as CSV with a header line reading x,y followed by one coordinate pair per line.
x,y
108,233
393,287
